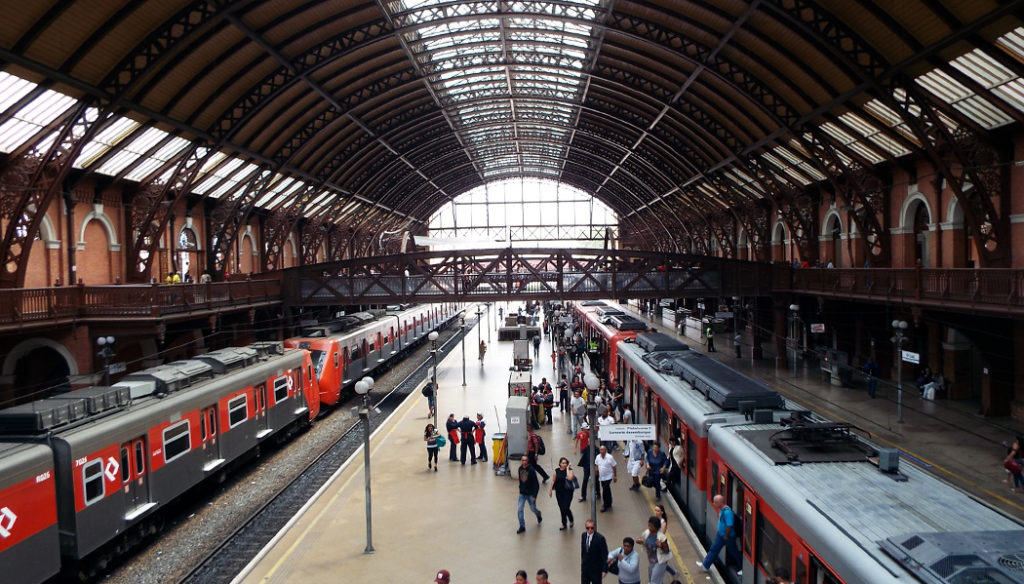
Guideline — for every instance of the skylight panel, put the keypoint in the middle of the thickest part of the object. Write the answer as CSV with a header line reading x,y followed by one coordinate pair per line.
x,y
873,134
158,159
209,180
231,178
131,152
107,138
850,142
13,89
963,99
33,118
280,185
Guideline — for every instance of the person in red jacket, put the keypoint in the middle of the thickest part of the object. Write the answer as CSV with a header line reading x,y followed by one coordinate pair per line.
x,y
479,435
453,436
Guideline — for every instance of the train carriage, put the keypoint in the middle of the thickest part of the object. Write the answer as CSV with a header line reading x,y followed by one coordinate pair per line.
x,y
345,351
29,541
187,420
676,389
822,507
607,324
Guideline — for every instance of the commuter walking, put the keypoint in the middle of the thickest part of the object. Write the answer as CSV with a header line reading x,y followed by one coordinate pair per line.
x,y
629,561
607,474
533,449
586,457
737,342
871,369
528,489
657,466
443,577
710,334
536,346
658,554
724,537
430,437
521,576
428,392
593,555
578,408
563,395
563,487
542,577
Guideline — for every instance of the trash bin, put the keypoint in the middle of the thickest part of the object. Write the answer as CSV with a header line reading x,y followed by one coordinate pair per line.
x,y
497,439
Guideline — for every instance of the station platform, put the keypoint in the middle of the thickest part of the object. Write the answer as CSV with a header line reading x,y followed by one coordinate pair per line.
x,y
946,437
460,518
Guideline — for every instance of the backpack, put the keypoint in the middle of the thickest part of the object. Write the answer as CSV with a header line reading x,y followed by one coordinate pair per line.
x,y
428,390
541,450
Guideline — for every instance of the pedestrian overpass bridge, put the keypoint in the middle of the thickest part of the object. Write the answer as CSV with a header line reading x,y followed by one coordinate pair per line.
x,y
524,274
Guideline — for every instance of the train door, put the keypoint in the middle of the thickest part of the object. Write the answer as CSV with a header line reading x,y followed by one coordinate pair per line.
x,y
134,474
208,435
736,498
819,573
647,406
262,419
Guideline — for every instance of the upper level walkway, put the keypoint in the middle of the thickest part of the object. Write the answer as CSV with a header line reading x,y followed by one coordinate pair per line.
x,y
517,274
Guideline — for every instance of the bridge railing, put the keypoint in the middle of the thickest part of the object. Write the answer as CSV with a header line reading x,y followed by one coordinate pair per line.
x,y
36,304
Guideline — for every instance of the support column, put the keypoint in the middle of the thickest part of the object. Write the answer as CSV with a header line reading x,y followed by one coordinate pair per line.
x,y
956,362
780,329
1017,400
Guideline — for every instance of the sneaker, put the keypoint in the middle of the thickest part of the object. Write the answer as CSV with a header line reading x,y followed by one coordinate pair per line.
x,y
739,573
521,529
435,468
701,566
539,517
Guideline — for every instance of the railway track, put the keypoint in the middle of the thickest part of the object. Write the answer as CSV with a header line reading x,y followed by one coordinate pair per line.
x,y
222,563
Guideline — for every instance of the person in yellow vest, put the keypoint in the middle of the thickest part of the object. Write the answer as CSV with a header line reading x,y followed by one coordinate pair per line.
x,y
172,278
711,339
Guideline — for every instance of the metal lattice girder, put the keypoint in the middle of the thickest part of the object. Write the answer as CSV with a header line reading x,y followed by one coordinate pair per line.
x,y
280,224
230,215
30,182
972,167
534,273
153,204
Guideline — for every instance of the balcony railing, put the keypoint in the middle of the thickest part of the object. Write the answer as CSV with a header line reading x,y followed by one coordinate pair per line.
x,y
991,288
80,302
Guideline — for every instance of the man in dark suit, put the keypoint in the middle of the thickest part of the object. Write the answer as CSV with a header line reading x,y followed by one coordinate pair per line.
x,y
593,555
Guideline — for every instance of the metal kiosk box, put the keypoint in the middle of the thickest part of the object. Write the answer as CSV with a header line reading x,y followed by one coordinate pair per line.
x,y
520,383
517,416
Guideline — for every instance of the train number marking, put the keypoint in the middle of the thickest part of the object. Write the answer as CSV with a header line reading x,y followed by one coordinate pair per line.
x,y
111,469
43,477
7,519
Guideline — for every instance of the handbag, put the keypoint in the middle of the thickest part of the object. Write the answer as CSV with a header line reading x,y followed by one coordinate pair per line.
x,y
1013,466
440,441
613,568
647,481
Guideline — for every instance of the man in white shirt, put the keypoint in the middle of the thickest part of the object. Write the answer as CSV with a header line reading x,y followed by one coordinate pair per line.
x,y
635,454
607,420
579,410
606,474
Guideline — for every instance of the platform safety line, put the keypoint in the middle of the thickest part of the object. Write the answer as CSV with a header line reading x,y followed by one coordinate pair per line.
x,y
934,465
244,573
692,536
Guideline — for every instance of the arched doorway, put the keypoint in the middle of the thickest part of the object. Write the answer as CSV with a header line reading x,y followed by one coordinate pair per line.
x,y
39,373
921,235
188,254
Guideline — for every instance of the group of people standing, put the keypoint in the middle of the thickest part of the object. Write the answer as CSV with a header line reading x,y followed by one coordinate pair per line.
x,y
469,433
596,561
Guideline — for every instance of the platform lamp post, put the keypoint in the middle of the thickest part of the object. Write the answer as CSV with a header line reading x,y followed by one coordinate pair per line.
x,y
106,351
433,379
592,383
462,331
488,305
363,388
899,326
794,310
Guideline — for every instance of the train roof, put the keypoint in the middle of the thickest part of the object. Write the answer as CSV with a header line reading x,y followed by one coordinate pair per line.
x,y
350,324
726,387
850,512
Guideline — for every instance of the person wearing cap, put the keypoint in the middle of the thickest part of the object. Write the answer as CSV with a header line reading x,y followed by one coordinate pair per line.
x,y
443,577
582,445
468,429
479,434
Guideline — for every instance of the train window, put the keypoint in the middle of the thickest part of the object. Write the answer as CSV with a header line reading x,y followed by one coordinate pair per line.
x,y
92,480
319,358
801,570
177,441
774,552
202,427
281,389
663,426
237,410
126,464
373,347
355,353
140,458
211,421
714,479
335,364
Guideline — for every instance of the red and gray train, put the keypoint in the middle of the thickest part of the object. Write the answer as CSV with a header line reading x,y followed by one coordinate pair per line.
x,y
84,476
817,503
